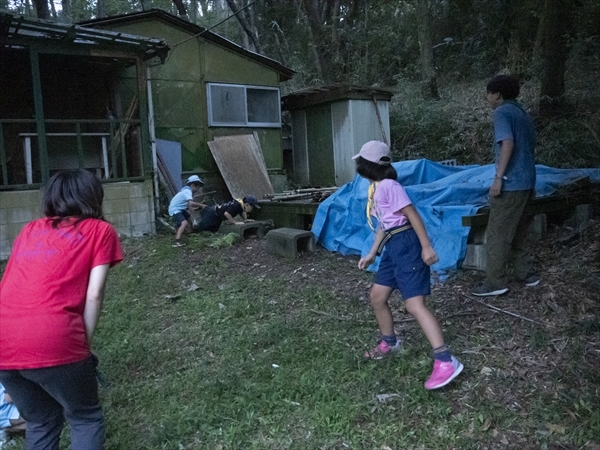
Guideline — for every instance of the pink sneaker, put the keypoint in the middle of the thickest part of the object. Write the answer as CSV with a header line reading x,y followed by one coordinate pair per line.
x,y
382,349
443,373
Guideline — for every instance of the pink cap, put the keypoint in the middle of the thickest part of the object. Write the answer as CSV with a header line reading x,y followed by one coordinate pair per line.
x,y
377,152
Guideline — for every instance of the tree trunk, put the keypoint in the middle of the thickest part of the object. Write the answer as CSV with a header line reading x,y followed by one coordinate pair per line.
x,y
247,26
181,11
428,79
193,11
317,23
41,9
53,11
558,15
66,11
101,6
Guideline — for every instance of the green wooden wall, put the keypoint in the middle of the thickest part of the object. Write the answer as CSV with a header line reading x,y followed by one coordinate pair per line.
x,y
179,93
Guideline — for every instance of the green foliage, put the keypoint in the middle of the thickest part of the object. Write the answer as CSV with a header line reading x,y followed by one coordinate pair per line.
x,y
225,241
459,125
456,127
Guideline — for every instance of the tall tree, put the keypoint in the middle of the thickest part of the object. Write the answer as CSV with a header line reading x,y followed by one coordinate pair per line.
x,y
558,15
65,10
246,21
41,9
181,9
428,76
101,8
319,17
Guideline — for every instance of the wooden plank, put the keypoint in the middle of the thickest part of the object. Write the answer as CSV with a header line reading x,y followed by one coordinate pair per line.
x,y
540,205
241,167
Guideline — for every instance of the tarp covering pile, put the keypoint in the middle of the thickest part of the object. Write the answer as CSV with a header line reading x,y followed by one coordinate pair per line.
x,y
442,195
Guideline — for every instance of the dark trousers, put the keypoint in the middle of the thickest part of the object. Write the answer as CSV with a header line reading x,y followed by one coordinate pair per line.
x,y
507,230
47,397
210,221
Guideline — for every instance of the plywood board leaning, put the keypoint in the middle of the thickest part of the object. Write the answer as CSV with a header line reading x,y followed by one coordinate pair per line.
x,y
242,166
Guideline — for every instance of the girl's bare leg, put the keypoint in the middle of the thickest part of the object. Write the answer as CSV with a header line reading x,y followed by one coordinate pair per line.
x,y
430,326
379,296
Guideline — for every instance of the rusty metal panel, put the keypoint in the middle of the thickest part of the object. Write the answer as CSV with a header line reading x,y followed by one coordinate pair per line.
x,y
242,165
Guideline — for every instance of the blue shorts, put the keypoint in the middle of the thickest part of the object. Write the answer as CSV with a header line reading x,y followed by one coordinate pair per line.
x,y
402,267
179,217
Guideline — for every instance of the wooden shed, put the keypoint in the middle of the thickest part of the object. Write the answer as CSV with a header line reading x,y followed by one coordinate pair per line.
x,y
208,87
329,125
74,97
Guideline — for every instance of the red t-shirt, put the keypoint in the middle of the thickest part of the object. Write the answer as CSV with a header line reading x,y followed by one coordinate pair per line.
x,y
43,291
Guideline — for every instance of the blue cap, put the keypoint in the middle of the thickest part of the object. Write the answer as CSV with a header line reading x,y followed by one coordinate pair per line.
x,y
251,200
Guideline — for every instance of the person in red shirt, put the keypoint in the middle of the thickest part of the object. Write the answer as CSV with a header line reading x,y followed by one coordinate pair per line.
x,y
51,294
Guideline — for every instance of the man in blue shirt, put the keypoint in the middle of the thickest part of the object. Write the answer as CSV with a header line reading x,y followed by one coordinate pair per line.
x,y
511,189
181,202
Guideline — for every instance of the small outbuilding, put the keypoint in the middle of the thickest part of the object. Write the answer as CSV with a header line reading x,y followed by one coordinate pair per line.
x,y
208,87
329,126
74,97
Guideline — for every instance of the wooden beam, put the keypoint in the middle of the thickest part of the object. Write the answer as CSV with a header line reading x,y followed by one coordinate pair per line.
x,y
39,112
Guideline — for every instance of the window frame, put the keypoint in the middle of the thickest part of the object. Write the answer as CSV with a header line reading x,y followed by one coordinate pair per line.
x,y
246,124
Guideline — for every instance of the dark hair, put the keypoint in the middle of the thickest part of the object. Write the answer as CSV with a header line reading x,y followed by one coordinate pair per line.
x,y
506,85
76,193
373,171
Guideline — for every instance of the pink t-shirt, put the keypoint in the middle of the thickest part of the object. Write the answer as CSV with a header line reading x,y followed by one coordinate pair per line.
x,y
389,198
43,291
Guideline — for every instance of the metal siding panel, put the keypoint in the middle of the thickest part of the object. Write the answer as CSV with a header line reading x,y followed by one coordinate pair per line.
x,y
299,147
343,145
320,146
366,125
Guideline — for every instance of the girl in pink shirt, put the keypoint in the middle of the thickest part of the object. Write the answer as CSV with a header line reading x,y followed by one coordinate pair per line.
x,y
404,264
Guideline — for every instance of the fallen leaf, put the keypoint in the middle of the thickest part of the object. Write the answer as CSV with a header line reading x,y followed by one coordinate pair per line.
x,y
383,397
552,428
486,424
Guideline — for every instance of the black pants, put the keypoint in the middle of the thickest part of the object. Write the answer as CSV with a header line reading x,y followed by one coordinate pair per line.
x,y
47,397
210,221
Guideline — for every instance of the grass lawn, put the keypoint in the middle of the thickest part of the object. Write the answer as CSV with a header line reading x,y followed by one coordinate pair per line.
x,y
213,346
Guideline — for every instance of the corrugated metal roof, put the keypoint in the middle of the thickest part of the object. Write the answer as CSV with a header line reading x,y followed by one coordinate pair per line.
x,y
20,31
332,93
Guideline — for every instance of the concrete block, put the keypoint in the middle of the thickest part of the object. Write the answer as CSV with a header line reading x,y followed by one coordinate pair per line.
x,y
475,257
477,235
258,228
580,216
116,206
116,190
538,227
289,242
142,229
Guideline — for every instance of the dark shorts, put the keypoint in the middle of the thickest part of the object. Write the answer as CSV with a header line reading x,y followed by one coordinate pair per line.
x,y
179,217
401,266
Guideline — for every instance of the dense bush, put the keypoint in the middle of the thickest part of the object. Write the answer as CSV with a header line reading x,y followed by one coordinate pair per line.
x,y
459,124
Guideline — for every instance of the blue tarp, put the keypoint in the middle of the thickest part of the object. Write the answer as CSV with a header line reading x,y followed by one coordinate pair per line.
x,y
442,195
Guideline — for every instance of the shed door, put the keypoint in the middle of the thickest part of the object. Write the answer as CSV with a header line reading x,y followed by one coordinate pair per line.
x,y
320,146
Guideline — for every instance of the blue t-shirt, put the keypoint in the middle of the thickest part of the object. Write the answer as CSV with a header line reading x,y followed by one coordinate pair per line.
x,y
180,201
512,122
